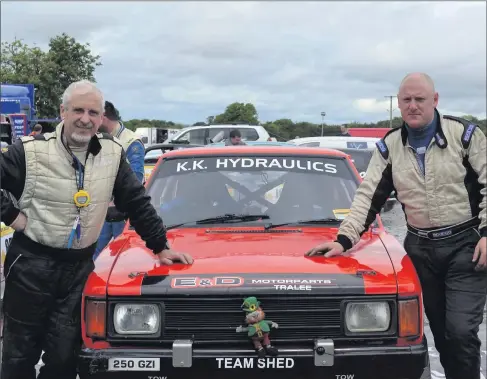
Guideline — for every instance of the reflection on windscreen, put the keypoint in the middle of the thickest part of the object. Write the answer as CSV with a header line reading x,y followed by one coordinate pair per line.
x,y
284,188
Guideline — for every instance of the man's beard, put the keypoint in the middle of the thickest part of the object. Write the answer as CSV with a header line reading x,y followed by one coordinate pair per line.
x,y
80,139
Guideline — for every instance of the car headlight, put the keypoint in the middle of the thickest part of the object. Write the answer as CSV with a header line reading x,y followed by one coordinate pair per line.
x,y
368,317
136,318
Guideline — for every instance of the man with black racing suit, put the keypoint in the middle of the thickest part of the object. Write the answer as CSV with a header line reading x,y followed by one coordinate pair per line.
x,y
63,183
437,166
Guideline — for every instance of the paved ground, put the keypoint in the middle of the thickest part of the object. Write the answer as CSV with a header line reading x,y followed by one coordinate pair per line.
x,y
395,223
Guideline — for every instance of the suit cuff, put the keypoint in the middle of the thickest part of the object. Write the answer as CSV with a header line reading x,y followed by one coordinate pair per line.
x,y
10,216
483,231
344,241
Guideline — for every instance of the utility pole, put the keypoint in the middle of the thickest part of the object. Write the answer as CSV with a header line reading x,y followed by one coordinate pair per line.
x,y
390,109
323,114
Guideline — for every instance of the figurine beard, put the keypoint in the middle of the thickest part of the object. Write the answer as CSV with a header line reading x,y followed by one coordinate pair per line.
x,y
255,316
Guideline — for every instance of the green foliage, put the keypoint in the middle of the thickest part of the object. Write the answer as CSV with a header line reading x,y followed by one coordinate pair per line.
x,y
145,123
237,113
50,71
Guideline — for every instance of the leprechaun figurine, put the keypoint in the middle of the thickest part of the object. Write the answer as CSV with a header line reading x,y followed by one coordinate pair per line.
x,y
258,327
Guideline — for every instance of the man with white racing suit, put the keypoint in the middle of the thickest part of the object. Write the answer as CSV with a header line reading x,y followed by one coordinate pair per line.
x,y
63,182
437,166
134,149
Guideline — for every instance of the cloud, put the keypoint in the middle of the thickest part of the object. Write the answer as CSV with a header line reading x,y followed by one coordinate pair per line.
x,y
184,61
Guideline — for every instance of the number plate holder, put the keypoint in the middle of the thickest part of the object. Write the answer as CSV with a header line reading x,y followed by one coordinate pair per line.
x,y
134,364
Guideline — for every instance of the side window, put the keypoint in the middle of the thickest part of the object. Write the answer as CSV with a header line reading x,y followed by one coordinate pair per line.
x,y
311,144
212,132
249,134
196,136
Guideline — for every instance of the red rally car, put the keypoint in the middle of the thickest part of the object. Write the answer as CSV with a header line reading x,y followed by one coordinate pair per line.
x,y
247,214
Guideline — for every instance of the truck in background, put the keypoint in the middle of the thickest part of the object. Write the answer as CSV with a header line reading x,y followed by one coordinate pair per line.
x,y
17,101
151,136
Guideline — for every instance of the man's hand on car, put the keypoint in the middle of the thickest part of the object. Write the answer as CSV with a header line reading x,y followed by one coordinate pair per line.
x,y
330,249
168,257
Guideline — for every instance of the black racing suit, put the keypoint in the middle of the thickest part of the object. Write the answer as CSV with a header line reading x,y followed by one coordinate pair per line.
x,y
42,300
451,192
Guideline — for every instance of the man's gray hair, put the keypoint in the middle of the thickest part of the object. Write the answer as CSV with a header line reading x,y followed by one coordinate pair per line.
x,y
84,85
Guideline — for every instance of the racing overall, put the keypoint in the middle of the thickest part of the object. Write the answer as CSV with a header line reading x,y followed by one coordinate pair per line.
x,y
48,263
115,220
442,190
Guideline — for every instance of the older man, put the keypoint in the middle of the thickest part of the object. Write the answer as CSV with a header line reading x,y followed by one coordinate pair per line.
x,y
134,149
437,165
63,182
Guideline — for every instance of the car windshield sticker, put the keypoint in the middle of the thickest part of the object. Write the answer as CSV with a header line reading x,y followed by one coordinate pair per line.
x,y
357,145
341,213
257,164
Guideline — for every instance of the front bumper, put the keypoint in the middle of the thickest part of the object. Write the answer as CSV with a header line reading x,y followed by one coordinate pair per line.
x,y
341,363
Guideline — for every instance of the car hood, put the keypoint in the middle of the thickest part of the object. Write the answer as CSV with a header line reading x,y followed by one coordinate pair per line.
x,y
248,260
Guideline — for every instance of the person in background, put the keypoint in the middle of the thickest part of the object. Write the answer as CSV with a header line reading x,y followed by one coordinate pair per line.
x,y
344,131
37,129
134,148
235,138
57,222
437,165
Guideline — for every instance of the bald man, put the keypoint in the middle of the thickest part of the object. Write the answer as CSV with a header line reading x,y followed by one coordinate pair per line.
x,y
437,166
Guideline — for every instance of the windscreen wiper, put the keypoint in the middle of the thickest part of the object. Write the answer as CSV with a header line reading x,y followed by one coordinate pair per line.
x,y
222,219
324,221
232,217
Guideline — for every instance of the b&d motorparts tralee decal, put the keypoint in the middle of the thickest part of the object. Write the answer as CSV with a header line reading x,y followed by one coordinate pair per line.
x,y
236,283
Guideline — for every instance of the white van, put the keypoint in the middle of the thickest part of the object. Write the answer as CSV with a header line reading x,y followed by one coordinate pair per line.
x,y
337,142
205,135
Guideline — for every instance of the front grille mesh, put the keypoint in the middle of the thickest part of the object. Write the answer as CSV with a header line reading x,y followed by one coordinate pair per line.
x,y
214,319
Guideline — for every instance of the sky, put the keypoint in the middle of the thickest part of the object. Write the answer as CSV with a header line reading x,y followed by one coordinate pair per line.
x,y
184,61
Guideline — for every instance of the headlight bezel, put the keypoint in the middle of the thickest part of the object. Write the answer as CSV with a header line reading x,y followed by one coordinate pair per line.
x,y
112,333
389,332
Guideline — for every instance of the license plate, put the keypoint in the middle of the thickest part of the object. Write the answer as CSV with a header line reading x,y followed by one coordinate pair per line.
x,y
134,364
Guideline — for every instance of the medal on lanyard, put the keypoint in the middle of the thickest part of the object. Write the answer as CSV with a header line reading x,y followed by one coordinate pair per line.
x,y
81,198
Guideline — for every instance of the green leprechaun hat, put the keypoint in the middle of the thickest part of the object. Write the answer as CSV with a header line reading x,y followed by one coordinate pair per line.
x,y
250,304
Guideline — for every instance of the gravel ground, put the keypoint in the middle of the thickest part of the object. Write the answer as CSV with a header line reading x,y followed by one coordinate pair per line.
x,y
395,223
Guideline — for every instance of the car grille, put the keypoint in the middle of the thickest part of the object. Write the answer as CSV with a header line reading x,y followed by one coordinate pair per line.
x,y
214,319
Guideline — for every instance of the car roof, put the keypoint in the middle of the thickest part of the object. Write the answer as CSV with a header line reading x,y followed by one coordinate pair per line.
x,y
336,139
261,149
256,143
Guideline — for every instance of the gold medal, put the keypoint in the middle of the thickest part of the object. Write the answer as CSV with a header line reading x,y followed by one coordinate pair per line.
x,y
82,198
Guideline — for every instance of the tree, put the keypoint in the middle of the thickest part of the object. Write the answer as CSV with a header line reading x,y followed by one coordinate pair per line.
x,y
51,72
238,113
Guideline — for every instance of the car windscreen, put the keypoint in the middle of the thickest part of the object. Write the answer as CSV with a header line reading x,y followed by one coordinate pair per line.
x,y
284,188
360,158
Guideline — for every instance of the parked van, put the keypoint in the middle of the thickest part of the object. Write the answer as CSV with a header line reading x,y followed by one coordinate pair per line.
x,y
205,135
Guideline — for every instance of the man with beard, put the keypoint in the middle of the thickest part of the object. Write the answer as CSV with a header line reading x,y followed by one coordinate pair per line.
x,y
63,182
134,149
437,165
